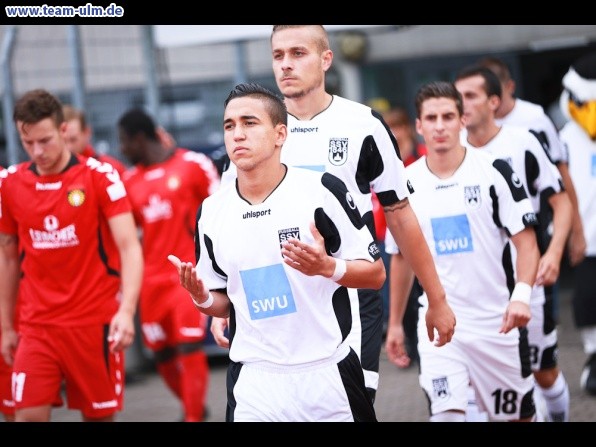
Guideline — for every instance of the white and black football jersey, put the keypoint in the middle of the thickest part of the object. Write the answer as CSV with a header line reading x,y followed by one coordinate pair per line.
x,y
533,117
466,220
240,251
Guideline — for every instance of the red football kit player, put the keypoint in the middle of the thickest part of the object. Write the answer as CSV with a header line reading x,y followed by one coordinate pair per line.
x,y
117,164
6,402
70,218
166,188
78,138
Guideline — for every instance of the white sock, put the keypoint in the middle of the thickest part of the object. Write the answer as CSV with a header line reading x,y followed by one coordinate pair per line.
x,y
588,335
473,413
557,400
540,404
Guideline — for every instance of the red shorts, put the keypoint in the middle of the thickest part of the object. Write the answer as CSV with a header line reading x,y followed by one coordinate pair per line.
x,y
168,316
6,402
47,356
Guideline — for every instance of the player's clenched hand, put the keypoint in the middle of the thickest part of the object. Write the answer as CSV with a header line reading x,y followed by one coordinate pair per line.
x,y
440,318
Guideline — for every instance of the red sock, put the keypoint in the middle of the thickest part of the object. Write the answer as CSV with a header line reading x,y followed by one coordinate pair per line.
x,y
194,379
170,373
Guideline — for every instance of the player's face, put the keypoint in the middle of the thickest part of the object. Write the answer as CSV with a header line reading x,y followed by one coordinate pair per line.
x,y
75,138
477,104
439,124
44,143
298,65
130,147
250,137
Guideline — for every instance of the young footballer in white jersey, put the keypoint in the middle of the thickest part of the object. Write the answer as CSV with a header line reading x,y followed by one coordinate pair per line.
x,y
328,133
277,250
518,112
472,207
481,90
578,104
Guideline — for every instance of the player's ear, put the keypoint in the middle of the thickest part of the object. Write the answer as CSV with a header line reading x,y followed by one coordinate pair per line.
x,y
282,134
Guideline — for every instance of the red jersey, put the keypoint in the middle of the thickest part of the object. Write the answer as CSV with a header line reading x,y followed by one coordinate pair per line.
x,y
70,265
117,164
165,198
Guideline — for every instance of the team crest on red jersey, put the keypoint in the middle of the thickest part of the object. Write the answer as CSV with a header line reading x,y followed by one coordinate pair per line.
x,y
76,197
338,151
173,183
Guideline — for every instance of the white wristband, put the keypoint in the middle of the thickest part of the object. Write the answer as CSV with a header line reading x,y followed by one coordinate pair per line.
x,y
340,269
522,293
205,304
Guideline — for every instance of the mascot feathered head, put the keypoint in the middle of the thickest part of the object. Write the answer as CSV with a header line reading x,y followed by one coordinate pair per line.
x,y
578,100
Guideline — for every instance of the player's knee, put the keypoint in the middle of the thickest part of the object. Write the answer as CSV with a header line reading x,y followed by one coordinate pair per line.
x,y
546,377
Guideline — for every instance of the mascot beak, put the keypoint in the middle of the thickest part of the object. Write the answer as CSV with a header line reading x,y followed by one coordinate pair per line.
x,y
584,114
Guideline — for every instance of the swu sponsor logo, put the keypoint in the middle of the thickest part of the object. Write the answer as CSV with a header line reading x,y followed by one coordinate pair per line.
x,y
452,234
269,304
268,292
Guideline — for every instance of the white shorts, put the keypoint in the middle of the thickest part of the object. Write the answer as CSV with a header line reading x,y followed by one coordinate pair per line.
x,y
328,391
496,365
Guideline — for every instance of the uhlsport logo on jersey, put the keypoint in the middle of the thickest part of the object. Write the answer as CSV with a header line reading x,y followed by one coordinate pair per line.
x,y
452,234
268,292
472,196
441,388
76,197
338,151
288,233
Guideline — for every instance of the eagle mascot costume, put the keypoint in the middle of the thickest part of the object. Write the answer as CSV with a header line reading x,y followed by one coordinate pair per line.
x,y
578,105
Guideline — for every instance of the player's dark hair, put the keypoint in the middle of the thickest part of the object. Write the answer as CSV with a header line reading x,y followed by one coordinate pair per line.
x,y
438,89
137,121
36,105
274,103
492,85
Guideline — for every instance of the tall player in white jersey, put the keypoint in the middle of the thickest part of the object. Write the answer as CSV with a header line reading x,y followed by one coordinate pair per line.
x,y
331,134
518,112
471,207
481,90
276,252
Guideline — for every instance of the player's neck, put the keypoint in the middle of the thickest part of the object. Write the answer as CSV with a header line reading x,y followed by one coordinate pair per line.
x,y
507,105
57,167
308,106
445,163
157,154
479,136
257,184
